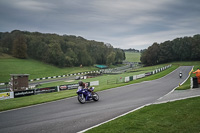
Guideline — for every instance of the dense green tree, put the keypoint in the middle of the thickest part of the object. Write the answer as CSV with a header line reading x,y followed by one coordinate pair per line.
x,y
166,52
152,54
54,54
110,58
66,50
143,57
195,48
19,47
179,49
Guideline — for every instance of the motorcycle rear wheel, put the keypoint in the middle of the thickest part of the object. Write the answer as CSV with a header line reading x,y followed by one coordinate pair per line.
x,y
81,99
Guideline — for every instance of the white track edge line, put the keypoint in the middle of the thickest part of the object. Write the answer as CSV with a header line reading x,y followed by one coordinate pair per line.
x,y
138,107
114,118
176,86
136,110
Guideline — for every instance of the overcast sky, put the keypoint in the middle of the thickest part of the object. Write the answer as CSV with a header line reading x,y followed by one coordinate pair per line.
x,y
122,23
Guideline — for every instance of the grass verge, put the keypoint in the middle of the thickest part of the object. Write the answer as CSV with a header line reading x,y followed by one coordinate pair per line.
x,y
174,117
37,99
196,65
36,69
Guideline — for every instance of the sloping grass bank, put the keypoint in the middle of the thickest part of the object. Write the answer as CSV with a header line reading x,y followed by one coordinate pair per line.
x,y
175,117
10,65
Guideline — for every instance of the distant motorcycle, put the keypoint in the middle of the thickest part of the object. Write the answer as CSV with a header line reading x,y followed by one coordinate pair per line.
x,y
85,95
180,74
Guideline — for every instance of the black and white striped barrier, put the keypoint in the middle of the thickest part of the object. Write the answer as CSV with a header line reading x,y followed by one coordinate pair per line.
x,y
53,77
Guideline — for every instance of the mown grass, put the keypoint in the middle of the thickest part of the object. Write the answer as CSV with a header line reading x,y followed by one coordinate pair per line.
x,y
36,69
132,56
104,79
36,99
175,117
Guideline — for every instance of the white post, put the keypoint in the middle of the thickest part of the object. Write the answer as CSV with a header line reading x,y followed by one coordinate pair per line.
x,y
191,83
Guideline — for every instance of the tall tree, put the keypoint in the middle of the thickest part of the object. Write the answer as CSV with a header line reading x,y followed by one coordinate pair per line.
x,y
54,55
19,49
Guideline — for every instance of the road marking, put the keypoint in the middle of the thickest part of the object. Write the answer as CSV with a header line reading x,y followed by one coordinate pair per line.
x,y
113,118
141,106
175,87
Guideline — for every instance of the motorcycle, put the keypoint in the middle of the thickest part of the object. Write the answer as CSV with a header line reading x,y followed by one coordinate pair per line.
x,y
85,95
180,75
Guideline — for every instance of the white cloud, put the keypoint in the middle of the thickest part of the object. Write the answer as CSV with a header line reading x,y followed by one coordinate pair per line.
x,y
37,6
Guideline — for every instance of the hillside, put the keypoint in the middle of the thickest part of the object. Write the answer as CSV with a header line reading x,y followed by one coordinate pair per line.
x,y
61,51
36,69
132,56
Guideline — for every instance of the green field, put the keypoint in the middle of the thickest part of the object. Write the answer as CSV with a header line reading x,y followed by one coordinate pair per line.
x,y
36,99
174,117
36,69
132,56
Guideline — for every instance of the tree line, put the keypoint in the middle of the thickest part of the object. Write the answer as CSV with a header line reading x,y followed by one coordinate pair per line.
x,y
62,51
179,49
131,50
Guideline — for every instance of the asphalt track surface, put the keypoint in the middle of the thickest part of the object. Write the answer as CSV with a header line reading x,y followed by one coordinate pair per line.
x,y
69,116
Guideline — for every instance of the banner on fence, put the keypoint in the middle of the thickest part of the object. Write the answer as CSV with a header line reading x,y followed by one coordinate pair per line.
x,y
134,77
126,79
45,90
148,74
63,87
23,93
6,95
140,76
72,86
94,83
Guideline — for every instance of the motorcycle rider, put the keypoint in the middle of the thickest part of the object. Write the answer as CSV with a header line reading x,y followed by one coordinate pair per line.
x,y
81,84
85,86
180,74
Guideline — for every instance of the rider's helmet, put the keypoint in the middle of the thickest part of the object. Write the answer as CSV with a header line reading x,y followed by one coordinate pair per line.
x,y
80,83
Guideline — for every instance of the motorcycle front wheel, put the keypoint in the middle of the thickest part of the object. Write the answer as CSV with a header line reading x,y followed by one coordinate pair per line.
x,y
95,96
81,99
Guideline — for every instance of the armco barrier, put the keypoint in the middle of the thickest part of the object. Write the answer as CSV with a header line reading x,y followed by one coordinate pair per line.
x,y
134,77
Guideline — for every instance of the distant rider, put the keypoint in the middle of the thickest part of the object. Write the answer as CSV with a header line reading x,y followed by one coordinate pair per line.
x,y
180,74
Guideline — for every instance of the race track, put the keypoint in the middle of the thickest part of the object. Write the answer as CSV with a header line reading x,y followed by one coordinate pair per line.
x,y
69,116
